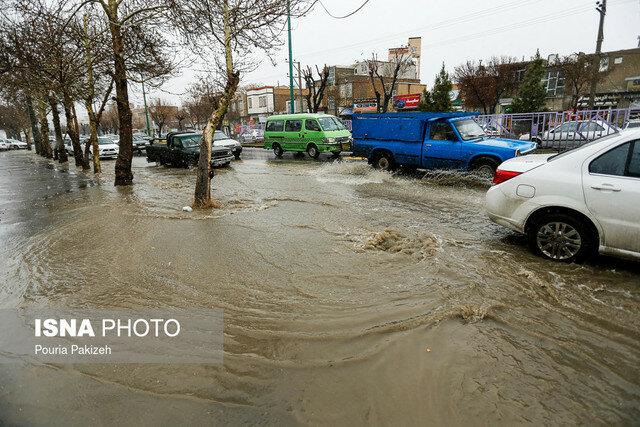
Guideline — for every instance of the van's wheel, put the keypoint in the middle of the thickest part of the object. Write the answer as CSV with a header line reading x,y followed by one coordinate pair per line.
x,y
561,237
277,150
313,151
485,167
384,161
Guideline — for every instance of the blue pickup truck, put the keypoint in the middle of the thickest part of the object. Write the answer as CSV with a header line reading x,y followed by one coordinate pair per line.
x,y
431,141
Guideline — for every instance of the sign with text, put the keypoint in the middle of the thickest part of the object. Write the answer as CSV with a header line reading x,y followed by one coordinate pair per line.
x,y
406,102
111,336
365,105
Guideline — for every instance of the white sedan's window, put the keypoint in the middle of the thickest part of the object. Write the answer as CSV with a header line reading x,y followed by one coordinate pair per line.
x,y
613,162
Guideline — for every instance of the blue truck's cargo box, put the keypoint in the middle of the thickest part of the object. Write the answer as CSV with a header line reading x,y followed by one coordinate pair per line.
x,y
408,127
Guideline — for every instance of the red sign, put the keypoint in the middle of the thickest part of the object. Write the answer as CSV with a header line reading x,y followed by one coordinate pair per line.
x,y
406,102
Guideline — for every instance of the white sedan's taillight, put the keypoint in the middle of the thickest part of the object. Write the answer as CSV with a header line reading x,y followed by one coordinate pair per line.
x,y
502,176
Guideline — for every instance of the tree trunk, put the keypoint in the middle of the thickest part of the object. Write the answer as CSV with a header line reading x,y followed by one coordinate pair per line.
x,y
61,152
92,143
73,135
44,130
202,197
35,132
124,175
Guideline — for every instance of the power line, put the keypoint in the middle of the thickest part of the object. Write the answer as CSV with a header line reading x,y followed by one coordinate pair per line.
x,y
341,17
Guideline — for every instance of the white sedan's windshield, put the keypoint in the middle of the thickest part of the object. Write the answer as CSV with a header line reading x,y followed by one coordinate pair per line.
x,y
469,129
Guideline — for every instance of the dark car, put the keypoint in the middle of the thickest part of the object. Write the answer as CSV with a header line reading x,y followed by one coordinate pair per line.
x,y
182,149
140,142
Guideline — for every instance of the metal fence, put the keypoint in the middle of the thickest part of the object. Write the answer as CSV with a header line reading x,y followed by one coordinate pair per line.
x,y
558,131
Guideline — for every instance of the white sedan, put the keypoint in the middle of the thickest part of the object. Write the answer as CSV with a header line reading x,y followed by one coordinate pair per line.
x,y
575,203
14,144
220,139
4,144
106,148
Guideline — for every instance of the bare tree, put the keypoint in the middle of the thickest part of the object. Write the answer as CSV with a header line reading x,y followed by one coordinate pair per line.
x,y
578,74
229,29
315,89
138,48
180,117
484,85
160,112
384,77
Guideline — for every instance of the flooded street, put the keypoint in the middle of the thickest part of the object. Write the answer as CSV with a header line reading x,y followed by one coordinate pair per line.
x,y
350,296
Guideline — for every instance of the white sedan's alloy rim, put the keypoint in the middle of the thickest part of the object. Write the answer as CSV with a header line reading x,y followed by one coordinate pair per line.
x,y
558,240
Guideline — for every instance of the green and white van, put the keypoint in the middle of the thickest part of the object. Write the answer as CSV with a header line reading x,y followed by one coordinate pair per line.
x,y
313,133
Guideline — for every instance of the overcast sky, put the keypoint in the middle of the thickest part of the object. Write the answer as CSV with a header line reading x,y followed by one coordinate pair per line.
x,y
452,31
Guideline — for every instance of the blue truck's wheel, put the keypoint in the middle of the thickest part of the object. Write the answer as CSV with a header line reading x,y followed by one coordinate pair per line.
x,y
384,161
485,166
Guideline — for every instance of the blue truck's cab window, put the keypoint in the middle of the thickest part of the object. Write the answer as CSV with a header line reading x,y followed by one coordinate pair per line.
x,y
442,131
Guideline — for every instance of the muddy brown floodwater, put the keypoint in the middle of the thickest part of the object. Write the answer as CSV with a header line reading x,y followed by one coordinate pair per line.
x,y
350,297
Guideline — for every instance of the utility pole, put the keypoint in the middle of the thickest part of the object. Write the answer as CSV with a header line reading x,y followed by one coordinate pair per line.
x,y
146,111
293,109
300,87
601,7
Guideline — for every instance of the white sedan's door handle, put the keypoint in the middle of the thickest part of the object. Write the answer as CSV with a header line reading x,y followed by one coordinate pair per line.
x,y
606,187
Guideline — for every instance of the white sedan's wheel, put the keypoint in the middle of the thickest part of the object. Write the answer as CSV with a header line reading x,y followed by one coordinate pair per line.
x,y
558,240
561,237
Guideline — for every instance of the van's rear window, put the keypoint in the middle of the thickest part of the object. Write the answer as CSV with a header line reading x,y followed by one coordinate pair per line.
x,y
275,126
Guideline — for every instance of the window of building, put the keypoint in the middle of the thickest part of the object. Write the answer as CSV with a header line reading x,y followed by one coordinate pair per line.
x,y
343,91
349,90
554,82
262,101
604,64
249,103
332,76
414,50
618,60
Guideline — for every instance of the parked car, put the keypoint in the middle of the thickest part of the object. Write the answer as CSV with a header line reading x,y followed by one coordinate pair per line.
x,y
576,203
570,134
632,124
182,149
140,142
313,133
4,145
14,144
220,139
492,130
431,141
68,145
251,135
106,148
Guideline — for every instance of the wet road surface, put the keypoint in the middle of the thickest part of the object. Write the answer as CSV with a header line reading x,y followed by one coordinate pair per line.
x,y
350,296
